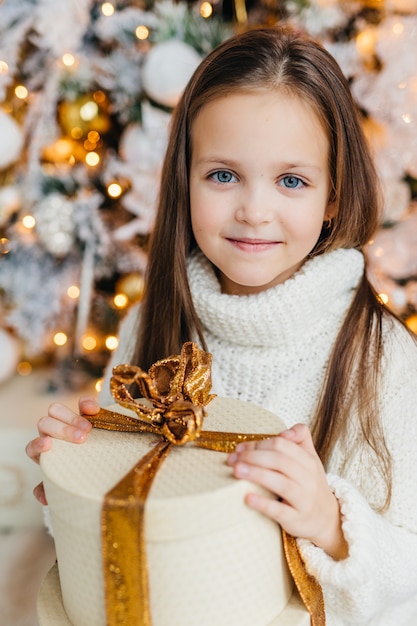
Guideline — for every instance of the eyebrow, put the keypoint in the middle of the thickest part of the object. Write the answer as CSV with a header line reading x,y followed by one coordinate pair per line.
x,y
234,164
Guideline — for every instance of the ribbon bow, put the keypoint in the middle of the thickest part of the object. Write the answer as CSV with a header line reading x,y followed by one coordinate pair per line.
x,y
177,388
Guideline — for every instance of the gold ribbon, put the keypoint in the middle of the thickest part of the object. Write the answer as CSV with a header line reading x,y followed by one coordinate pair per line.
x,y
178,388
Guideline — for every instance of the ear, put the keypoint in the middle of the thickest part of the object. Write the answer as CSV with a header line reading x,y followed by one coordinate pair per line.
x,y
330,212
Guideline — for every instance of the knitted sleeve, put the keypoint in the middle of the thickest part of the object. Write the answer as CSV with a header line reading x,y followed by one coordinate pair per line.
x,y
377,582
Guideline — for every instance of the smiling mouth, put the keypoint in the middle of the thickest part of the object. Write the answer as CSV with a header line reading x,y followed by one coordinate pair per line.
x,y
253,245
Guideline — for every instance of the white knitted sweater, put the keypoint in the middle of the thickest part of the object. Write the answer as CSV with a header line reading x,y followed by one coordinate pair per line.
x,y
272,349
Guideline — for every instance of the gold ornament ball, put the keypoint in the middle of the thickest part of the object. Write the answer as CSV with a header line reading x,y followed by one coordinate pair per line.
x,y
83,113
132,286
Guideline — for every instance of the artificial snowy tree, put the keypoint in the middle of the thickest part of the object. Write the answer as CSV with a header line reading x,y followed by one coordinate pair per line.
x,y
86,92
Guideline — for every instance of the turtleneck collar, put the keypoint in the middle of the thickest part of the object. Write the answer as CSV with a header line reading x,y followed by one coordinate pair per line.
x,y
317,295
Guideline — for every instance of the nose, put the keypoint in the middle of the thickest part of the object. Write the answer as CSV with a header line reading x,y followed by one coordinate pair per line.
x,y
255,204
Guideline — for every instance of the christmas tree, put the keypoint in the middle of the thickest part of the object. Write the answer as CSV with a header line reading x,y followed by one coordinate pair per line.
x,y
86,93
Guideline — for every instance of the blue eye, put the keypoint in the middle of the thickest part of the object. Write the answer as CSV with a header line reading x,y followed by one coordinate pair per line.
x,y
223,176
292,182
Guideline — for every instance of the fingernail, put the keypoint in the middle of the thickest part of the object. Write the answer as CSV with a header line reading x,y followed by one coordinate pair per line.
x,y
79,435
84,425
232,458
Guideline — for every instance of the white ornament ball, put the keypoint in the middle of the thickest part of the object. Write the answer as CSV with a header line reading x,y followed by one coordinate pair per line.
x,y
167,68
55,224
9,355
11,140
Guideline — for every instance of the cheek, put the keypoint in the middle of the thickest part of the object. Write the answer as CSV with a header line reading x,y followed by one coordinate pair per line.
x,y
205,215
306,224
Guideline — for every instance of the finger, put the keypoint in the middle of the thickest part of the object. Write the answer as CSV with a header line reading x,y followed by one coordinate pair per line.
x,y
277,483
39,493
301,435
277,453
88,405
35,447
274,508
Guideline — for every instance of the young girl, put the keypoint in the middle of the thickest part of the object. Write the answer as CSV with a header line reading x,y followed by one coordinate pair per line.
x,y
268,195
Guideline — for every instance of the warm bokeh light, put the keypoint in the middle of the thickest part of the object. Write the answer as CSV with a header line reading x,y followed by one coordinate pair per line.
x,y
4,68
68,59
24,368
206,9
99,96
120,300
93,136
398,28
76,132
365,42
99,385
73,292
142,32
4,245
107,9
89,343
88,111
60,339
92,159
29,221
21,92
114,190
111,342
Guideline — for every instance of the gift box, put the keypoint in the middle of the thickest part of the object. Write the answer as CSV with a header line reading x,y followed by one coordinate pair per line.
x,y
211,559
151,527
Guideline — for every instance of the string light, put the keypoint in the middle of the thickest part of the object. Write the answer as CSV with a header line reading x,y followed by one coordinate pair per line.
x,y
111,342
68,59
99,96
120,300
73,292
24,368
60,339
142,32
92,159
4,68
4,245
89,343
206,9
398,28
94,136
88,111
107,9
21,92
114,190
99,385
76,132
29,222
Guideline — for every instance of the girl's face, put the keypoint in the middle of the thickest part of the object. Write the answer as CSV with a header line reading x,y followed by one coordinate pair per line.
x,y
259,187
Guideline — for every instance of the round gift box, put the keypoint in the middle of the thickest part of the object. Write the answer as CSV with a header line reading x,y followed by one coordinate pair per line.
x,y
211,559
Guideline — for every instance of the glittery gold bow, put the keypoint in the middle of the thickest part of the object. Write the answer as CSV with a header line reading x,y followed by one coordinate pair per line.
x,y
178,388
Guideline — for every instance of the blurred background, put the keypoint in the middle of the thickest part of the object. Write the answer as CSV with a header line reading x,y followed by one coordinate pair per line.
x,y
87,89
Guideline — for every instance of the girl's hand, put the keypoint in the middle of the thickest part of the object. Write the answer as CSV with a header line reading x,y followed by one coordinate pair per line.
x,y
288,466
60,423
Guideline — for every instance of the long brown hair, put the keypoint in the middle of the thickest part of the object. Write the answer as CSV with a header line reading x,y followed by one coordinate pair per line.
x,y
276,58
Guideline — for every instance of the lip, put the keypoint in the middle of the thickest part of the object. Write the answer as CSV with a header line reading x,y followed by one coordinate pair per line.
x,y
247,244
